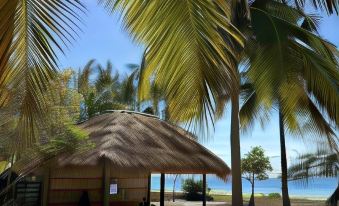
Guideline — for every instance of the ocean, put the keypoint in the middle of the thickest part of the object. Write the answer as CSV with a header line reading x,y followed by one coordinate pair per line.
x,y
317,188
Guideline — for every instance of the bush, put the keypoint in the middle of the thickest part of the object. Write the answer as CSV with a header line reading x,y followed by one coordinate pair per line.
x,y
193,190
274,195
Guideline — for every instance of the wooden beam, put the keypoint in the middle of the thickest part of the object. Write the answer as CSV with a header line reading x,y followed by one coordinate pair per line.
x,y
45,187
162,189
149,190
106,181
204,189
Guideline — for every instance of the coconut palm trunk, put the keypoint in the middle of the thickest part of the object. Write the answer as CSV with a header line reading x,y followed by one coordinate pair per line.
x,y
284,185
235,154
334,199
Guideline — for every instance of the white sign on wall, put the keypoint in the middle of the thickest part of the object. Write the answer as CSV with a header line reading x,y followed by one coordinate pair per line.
x,y
113,189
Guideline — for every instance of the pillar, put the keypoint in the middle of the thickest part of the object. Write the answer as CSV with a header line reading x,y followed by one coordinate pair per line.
x,y
204,189
106,181
149,189
162,189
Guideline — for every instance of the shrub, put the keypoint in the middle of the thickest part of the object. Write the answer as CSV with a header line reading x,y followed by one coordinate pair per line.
x,y
274,195
193,190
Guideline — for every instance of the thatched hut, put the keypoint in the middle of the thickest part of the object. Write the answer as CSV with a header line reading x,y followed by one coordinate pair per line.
x,y
129,147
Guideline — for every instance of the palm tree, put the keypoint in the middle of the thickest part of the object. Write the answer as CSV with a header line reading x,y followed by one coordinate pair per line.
x,y
134,90
183,67
285,56
86,90
107,89
320,164
186,52
128,94
185,49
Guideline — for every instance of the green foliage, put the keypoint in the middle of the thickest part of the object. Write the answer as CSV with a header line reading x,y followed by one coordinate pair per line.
x,y
111,92
70,139
56,131
274,195
255,165
193,190
91,107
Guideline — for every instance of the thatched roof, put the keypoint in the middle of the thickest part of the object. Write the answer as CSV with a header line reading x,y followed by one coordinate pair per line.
x,y
144,142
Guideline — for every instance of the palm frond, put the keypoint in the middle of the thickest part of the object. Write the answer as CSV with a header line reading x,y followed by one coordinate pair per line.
x,y
39,29
252,109
185,51
84,78
319,164
285,57
330,6
7,19
128,89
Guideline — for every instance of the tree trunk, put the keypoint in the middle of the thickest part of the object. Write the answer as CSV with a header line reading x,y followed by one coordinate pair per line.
x,y
175,179
334,199
251,202
237,199
162,189
284,184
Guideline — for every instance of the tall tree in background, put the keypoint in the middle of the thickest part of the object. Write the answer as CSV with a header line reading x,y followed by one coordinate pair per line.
x,y
107,88
285,55
255,166
108,91
86,90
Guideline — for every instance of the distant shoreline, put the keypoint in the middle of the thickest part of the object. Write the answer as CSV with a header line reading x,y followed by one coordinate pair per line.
x,y
315,189
217,192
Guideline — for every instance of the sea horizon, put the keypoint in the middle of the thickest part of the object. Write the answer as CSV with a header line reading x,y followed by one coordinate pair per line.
x,y
317,188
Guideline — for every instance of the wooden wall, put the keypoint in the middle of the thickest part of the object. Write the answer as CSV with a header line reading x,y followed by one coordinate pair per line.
x,y
67,184
132,184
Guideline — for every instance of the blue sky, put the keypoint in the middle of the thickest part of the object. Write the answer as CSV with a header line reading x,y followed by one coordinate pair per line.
x,y
103,39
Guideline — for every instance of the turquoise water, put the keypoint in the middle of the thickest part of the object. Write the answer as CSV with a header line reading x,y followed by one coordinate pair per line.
x,y
316,188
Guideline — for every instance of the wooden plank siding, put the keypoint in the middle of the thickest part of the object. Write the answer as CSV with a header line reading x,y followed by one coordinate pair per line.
x,y
67,184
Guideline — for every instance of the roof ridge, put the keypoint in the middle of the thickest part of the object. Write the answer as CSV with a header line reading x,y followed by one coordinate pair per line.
x,y
119,111
130,112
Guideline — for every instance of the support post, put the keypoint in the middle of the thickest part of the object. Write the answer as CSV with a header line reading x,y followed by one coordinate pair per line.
x,y
162,189
204,189
46,187
149,190
106,180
